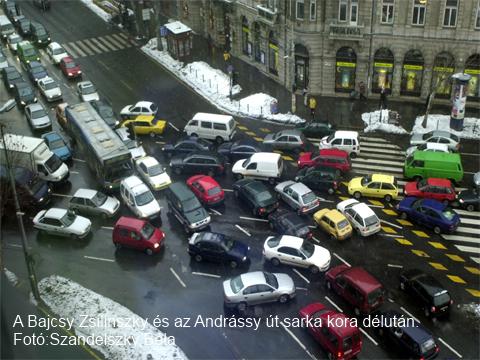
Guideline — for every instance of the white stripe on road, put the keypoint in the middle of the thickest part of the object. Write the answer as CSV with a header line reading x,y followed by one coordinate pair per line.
x,y
173,127
333,304
391,235
468,249
406,312
370,172
14,245
160,142
228,190
216,212
341,259
368,155
70,50
469,221
375,144
123,35
107,43
391,224
381,168
206,274
178,278
122,40
373,138
243,230
297,340
467,230
395,266
61,195
115,42
385,162
252,219
380,150
107,227
74,172
301,288
377,206
84,45
79,48
469,213
97,258
79,160
315,239
99,44
300,274
89,42
477,260
451,349
368,336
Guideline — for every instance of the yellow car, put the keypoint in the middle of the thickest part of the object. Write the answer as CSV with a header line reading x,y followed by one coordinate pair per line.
x,y
334,223
376,185
146,125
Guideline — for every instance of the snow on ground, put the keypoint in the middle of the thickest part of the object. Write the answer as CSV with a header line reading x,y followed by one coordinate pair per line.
x,y
471,126
214,85
378,121
97,10
11,276
106,319
473,309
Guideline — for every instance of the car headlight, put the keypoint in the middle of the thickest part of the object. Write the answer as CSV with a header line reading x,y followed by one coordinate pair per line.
x,y
34,99
22,102
11,86
117,122
39,41
79,71
28,61
461,201
70,74
48,39
244,258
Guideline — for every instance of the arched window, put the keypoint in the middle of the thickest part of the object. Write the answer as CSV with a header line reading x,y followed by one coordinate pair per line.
x,y
382,70
272,53
301,66
472,67
257,46
412,73
346,64
443,68
246,44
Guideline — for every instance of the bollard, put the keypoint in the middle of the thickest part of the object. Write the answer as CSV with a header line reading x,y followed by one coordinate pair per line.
x,y
248,108
217,87
196,74
210,83
203,77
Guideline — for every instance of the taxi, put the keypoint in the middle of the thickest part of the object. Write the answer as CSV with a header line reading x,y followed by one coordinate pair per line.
x,y
375,185
334,223
146,125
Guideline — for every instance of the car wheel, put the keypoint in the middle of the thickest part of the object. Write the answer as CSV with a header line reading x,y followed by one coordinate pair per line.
x,y
198,258
357,195
271,181
314,269
239,176
402,286
357,311
194,135
118,245
152,134
275,262
219,140
331,191
233,264
388,198
283,299
426,311
445,202
178,171
149,252
353,155
403,215
242,306
437,230
470,207
328,285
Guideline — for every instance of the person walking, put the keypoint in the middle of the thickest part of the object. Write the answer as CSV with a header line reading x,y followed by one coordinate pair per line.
x,y
383,98
312,105
362,90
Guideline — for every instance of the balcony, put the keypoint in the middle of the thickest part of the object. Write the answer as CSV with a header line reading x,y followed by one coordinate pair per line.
x,y
346,31
267,15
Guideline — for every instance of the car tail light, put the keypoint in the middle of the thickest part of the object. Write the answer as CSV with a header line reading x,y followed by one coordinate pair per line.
x,y
261,210
437,349
339,354
422,358
335,185
309,235
451,302
298,162
433,309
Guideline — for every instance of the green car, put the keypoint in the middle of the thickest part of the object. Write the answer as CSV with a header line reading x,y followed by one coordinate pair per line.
x,y
317,129
27,52
429,164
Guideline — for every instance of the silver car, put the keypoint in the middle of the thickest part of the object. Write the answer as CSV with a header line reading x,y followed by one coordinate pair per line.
x,y
285,140
50,89
298,196
62,222
257,287
437,136
13,40
37,116
87,92
94,202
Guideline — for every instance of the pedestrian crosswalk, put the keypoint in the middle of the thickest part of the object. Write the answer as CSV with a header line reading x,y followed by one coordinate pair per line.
x,y
98,45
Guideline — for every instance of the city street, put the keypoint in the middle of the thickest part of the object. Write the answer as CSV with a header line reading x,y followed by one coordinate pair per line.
x,y
172,285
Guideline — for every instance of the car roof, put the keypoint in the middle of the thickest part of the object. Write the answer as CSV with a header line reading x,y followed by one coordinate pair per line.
x,y
383,178
441,133
343,133
136,185
434,204
181,191
300,188
291,241
85,193
52,135
363,210
54,45
362,278
211,237
293,132
265,156
148,161
85,83
55,213
253,278
67,59
130,222
35,106
437,156
439,182
333,152
148,118
429,283
46,80
207,182
144,103
417,332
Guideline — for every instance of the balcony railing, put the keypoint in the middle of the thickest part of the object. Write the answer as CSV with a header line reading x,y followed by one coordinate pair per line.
x,y
346,31
267,15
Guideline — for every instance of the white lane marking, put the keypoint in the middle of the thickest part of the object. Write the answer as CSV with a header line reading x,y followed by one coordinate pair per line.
x,y
74,172
368,336
301,288
107,43
375,144
252,219
91,45
315,239
373,138
85,47
470,154
476,259
97,258
228,190
325,200
381,168
377,155
14,245
467,230
376,206
395,266
297,340
385,162
370,172
461,238
380,150
173,127
121,40
468,249
115,42
391,235
216,212
300,274
312,227
390,300
160,142
78,48
406,312
243,230
178,278
391,224
451,349
72,52
333,304
79,160
100,45
107,227
469,213
122,35
469,221
341,259
206,274
61,195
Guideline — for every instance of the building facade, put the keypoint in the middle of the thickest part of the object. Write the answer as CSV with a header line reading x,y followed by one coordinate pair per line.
x,y
329,47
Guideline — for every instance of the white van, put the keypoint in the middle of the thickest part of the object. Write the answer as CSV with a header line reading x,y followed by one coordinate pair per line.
x,y
6,27
262,165
342,140
212,127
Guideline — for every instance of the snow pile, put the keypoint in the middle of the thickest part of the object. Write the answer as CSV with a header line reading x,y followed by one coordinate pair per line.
x,y
472,309
471,126
378,121
106,319
97,10
11,276
162,57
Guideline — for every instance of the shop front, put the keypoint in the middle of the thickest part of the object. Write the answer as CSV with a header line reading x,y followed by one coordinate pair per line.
x,y
472,68
412,74
443,68
179,41
383,66
346,65
301,66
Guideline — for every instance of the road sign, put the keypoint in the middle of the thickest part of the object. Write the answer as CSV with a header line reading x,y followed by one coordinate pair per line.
x,y
163,31
146,14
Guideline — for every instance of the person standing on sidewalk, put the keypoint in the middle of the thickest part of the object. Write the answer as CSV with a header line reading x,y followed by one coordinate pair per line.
x,y
362,90
383,98
312,105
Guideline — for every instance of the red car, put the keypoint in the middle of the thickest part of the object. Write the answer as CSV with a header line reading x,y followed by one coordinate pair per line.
x,y
431,188
137,234
334,158
70,68
333,331
206,189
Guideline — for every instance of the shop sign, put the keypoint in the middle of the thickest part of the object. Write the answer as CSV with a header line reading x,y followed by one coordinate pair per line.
x,y
346,64
388,65
472,71
443,69
413,67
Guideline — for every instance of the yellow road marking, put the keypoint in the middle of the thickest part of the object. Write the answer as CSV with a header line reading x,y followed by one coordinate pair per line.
x,y
376,202
456,279
241,127
437,245
404,241
265,130
277,151
343,197
286,157
404,222
388,230
251,133
420,253
259,139
455,257
345,183
389,212
420,233
438,266
473,270
474,292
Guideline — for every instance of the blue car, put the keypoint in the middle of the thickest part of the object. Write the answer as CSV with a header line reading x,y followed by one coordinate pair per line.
x,y
429,213
57,144
36,71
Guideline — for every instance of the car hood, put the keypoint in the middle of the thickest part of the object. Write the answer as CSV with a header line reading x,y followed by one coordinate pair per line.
x,y
355,183
111,205
149,209
80,225
285,283
61,152
237,167
416,139
225,148
406,203
176,160
410,187
90,97
283,185
239,249
320,257
53,92
305,157
196,215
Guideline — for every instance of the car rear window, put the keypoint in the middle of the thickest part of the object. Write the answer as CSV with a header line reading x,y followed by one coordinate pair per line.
x,y
441,299
214,191
236,284
427,346
58,51
309,197
374,296
371,220
342,224
231,124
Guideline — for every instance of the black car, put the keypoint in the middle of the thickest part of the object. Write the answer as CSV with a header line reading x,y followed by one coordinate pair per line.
x,y
289,223
23,27
11,76
11,9
469,199
40,35
105,110
411,340
320,178
217,247
240,149
198,163
427,292
24,94
42,4
36,71
187,145
184,205
317,129
256,195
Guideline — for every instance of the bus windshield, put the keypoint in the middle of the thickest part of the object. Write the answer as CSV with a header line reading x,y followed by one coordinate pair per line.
x,y
118,171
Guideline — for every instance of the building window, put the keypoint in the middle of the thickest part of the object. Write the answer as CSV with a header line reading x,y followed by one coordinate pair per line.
x,y
246,44
382,71
472,67
477,19
412,73
300,10
272,4
313,10
301,66
387,11
419,10
272,53
257,48
443,68
450,17
346,64
353,11
342,10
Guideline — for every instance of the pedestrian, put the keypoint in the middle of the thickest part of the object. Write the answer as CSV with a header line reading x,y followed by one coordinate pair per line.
x,y
312,105
383,98
226,55
362,90
305,97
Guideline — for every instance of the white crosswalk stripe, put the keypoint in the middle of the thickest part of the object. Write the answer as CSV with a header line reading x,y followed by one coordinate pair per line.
x,y
79,51
72,52
84,47
92,46
376,161
107,43
380,150
98,45
114,42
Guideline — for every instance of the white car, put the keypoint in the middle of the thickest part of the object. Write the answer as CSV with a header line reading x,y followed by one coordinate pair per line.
x,y
56,52
298,196
361,216
13,40
140,108
57,221
37,116
435,147
295,251
94,202
50,89
138,198
87,92
437,136
153,173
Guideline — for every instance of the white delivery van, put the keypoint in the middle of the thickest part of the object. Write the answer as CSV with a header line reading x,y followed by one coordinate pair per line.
x,y
342,140
212,127
262,165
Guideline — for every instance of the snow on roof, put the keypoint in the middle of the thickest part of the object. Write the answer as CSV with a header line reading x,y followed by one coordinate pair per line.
x,y
177,27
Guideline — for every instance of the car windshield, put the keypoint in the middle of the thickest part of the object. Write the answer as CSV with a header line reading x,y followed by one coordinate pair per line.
x,y
366,179
245,163
53,163
68,218
236,284
309,197
88,89
308,248
56,144
37,69
147,231
58,51
25,91
35,184
15,40
448,213
191,204
70,65
105,111
421,183
41,31
144,198
229,243
155,170
14,75
342,224
427,346
99,198
371,220
263,196
427,136
117,172
442,298
271,279
39,113
214,191
29,52
374,296
330,137
50,85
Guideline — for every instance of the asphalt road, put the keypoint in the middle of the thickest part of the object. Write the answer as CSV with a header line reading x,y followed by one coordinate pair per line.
x,y
171,285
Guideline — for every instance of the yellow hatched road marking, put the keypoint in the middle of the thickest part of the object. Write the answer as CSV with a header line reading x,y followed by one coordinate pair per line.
x,y
473,270
389,212
438,266
456,279
277,151
437,245
474,292
343,197
251,133
420,233
455,257
265,130
376,202
388,230
259,139
345,183
286,157
420,253
404,241
404,222
241,127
